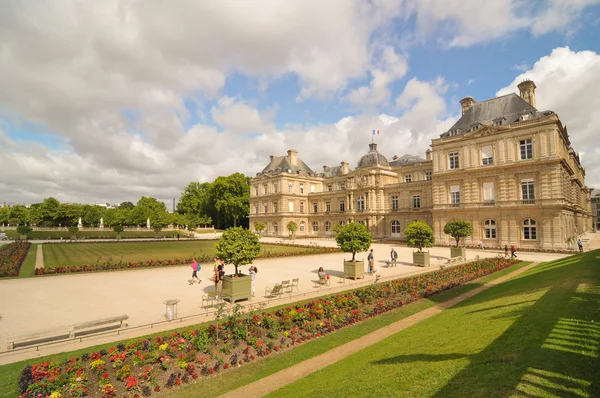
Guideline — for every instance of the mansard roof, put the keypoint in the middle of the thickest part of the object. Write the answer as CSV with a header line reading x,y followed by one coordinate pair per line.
x,y
406,160
508,107
284,165
332,171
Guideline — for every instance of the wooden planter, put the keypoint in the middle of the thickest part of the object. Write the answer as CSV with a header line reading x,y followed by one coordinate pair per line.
x,y
458,252
238,288
354,269
23,237
421,258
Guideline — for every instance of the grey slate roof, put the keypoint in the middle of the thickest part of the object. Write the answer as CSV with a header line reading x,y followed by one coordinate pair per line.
x,y
509,107
595,194
405,160
281,164
372,158
333,171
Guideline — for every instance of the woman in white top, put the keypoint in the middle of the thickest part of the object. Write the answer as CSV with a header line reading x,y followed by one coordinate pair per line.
x,y
253,270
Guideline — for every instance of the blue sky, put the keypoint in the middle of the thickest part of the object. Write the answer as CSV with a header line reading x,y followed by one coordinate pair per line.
x,y
145,99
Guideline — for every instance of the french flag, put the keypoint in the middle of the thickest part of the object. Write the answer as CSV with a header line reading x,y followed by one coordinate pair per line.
x,y
375,132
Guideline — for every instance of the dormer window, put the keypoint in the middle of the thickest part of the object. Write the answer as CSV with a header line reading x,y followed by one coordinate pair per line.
x,y
475,127
499,121
524,116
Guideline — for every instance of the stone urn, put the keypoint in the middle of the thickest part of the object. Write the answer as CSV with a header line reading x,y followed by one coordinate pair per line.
x,y
237,288
354,269
458,252
421,258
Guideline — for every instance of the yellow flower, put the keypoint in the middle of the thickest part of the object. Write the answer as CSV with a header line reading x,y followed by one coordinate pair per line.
x,y
55,394
163,347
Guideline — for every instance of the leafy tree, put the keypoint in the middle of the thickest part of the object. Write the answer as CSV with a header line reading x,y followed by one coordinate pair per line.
x,y
48,210
24,230
73,230
13,221
34,214
92,214
353,238
238,246
458,229
292,227
69,213
195,199
157,229
20,213
231,197
4,214
126,206
118,229
259,227
419,235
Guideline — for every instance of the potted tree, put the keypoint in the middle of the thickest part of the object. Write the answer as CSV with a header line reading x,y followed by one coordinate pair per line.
x,y
458,229
419,235
292,227
353,238
237,246
118,229
259,227
24,231
73,231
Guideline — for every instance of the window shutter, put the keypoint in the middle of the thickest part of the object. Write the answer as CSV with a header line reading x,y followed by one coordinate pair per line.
x,y
488,191
291,207
487,152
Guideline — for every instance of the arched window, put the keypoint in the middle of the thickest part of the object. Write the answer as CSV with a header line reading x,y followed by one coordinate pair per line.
x,y
327,226
395,227
360,203
490,229
275,228
302,226
342,223
315,226
529,229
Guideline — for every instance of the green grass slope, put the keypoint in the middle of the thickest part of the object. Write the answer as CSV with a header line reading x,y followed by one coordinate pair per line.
x,y
536,335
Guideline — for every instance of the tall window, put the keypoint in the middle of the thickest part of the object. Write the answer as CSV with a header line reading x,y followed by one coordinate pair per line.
x,y
327,207
275,207
488,193
455,194
291,206
527,191
302,226
428,175
360,203
342,186
342,223
265,188
315,207
395,227
275,228
526,149
256,190
407,178
416,201
256,208
487,155
490,229
327,226
301,207
312,188
290,187
315,226
342,205
330,187
301,188
266,208
453,160
529,230
274,187
395,202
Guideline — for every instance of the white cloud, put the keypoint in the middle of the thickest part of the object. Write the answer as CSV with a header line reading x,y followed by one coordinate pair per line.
x,y
561,15
568,83
240,118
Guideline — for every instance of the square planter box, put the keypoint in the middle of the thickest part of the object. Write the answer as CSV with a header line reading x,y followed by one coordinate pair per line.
x,y
237,288
421,259
458,252
354,269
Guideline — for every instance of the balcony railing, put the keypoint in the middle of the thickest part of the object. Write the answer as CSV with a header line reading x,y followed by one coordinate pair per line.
x,y
489,203
528,202
454,205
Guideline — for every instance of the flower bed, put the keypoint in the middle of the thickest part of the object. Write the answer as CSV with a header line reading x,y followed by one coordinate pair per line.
x,y
12,257
149,366
119,265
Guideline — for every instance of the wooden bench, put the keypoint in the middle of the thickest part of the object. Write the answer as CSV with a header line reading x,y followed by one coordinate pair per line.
x,y
67,332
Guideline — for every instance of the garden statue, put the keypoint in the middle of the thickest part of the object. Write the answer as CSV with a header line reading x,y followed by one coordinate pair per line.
x,y
148,223
79,223
101,222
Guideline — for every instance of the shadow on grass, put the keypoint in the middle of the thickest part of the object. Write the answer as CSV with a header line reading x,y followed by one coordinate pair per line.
x,y
533,357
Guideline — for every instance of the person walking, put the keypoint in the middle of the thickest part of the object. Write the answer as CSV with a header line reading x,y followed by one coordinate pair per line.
x,y
371,260
253,271
219,283
393,257
480,244
580,244
512,252
195,268
505,251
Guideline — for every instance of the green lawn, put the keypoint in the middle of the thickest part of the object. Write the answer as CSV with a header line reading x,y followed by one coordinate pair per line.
x,y
28,267
535,335
91,253
215,386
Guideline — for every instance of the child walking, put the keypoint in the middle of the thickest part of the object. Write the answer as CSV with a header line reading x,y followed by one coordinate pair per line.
x,y
195,268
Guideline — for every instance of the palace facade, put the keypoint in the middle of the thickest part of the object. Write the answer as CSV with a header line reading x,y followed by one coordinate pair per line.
x,y
504,166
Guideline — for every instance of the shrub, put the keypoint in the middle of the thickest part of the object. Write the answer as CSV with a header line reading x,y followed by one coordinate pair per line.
x,y
458,229
353,238
419,235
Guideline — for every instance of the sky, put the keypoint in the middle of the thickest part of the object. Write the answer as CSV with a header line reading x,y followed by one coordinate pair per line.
x,y
108,101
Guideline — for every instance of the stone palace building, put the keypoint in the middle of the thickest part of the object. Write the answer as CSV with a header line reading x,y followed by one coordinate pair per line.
x,y
505,166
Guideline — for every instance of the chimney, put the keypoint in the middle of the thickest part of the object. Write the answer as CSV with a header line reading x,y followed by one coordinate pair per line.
x,y
428,154
293,157
345,168
527,91
467,103
272,157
